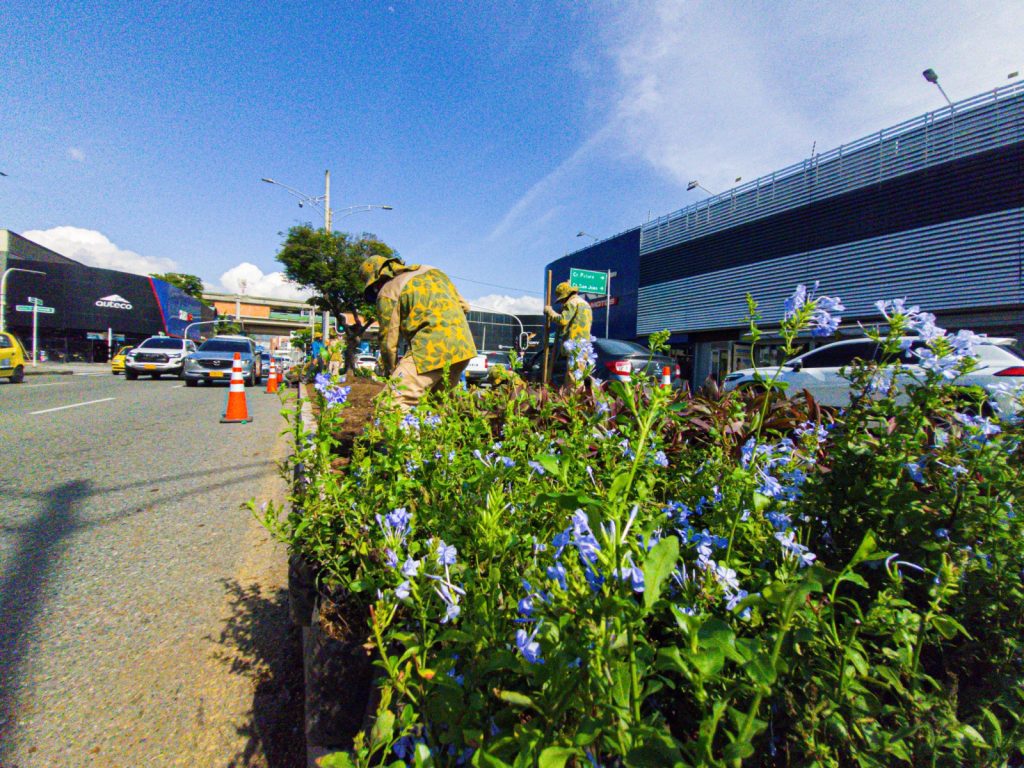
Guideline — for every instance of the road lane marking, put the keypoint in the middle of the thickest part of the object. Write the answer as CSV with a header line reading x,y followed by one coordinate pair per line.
x,y
76,405
177,386
51,384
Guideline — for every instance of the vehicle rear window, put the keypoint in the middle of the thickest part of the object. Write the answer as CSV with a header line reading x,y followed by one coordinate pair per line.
x,y
224,345
498,358
618,347
162,343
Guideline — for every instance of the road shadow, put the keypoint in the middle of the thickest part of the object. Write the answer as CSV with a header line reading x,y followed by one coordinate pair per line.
x,y
260,643
23,588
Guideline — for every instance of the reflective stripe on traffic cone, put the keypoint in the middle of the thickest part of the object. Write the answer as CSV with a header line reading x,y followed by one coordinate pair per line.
x,y
272,380
666,377
237,412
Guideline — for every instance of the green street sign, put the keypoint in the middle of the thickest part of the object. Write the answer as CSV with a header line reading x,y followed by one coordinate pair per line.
x,y
589,280
40,310
34,300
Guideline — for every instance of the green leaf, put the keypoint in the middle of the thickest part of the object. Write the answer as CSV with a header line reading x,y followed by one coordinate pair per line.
x,y
656,750
708,661
550,464
555,757
657,567
482,759
514,698
971,734
760,669
618,484
336,760
868,550
383,728
948,627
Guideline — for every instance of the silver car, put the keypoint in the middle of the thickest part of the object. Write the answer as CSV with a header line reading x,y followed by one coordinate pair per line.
x,y
1000,372
156,356
215,357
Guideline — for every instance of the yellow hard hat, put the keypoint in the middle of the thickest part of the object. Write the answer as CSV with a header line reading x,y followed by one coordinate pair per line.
x,y
564,290
372,267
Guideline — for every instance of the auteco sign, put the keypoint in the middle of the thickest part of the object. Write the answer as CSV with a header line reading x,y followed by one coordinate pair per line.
x,y
113,301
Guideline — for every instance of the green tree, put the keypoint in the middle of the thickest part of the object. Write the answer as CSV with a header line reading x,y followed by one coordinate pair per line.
x,y
190,284
328,264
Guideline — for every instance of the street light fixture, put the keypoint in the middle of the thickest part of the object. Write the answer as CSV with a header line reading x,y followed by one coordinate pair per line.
x,y
933,78
323,202
697,185
581,233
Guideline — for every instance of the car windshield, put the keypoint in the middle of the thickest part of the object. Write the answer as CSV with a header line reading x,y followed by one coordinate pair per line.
x,y
617,347
224,345
161,343
498,358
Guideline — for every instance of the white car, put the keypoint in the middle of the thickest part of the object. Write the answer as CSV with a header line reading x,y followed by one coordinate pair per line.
x,y
366,363
1000,371
158,355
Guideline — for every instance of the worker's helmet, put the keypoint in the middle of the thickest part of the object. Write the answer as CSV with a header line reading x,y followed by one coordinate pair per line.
x,y
564,290
372,268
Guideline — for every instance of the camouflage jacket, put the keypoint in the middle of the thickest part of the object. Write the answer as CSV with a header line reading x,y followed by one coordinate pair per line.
x,y
422,307
575,319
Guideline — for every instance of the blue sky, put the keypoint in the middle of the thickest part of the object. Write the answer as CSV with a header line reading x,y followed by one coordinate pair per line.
x,y
134,135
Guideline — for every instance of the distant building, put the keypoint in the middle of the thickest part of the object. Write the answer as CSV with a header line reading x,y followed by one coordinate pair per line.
x,y
93,310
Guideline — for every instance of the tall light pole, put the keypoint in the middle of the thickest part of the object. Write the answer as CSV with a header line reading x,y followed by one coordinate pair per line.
x,y
697,185
324,201
930,75
3,291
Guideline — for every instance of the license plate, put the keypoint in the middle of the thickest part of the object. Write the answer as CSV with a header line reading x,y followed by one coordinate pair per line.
x,y
149,367
216,374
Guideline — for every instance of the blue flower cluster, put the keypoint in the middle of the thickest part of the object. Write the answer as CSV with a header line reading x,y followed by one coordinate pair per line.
x,y
824,319
332,393
582,357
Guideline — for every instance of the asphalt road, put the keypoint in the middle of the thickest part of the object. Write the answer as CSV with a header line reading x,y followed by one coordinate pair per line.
x,y
121,536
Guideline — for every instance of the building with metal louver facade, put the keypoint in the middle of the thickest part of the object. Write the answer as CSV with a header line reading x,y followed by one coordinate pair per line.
x,y
931,210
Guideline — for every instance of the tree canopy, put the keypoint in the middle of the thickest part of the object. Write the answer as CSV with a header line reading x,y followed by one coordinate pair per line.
x,y
190,284
327,263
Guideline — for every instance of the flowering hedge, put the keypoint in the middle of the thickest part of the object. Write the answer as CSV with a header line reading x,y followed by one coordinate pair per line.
x,y
627,576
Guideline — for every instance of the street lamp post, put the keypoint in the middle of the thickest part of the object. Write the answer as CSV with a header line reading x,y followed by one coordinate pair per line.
x,y
323,201
933,78
581,233
3,292
697,185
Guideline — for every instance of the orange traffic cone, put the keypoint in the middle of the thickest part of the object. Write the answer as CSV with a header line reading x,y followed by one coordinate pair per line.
x,y
280,375
272,380
666,377
237,412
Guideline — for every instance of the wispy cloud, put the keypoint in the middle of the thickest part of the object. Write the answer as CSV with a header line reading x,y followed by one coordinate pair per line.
x,y
96,249
76,154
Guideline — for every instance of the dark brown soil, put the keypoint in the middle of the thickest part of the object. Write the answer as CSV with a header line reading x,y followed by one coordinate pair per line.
x,y
358,413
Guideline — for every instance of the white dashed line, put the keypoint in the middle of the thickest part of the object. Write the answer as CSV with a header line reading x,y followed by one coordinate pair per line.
x,y
76,405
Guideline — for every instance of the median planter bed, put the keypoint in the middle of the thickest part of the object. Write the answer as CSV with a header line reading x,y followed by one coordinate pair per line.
x,y
630,576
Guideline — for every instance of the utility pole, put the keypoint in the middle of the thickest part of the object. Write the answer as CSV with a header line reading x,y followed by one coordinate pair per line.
x,y
327,201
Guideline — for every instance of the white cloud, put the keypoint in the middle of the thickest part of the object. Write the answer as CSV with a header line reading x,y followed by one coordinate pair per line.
x,y
513,305
95,249
251,280
76,154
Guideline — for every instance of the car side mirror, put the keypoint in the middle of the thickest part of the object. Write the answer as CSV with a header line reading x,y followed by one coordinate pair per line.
x,y
796,366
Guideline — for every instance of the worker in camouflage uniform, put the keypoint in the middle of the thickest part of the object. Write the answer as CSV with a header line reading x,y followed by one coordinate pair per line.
x,y
418,305
574,322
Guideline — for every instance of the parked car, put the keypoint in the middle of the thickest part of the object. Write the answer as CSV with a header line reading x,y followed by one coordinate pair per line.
x,y
366,362
820,371
617,360
156,356
12,358
117,361
479,367
215,357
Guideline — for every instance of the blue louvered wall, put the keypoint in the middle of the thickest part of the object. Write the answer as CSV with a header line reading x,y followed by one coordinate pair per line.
x,y
932,209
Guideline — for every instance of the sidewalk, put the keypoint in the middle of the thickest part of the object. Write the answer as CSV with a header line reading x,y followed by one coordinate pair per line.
x,y
66,369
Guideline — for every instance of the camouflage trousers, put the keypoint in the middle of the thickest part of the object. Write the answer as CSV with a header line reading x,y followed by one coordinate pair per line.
x,y
409,386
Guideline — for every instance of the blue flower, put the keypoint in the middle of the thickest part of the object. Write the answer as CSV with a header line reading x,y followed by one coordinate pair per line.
x,y
536,467
630,572
914,470
445,553
627,452
525,606
528,646
556,572
409,421
410,567
390,558
321,382
942,533
780,520
402,590
660,459
793,548
337,396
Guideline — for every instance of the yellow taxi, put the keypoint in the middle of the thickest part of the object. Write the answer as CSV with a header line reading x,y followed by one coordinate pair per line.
x,y
12,358
117,361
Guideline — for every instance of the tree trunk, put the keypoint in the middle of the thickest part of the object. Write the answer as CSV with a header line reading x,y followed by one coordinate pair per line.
x,y
353,333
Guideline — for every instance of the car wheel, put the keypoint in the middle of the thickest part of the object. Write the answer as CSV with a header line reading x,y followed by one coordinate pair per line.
x,y
250,380
156,375
19,375
130,375
191,382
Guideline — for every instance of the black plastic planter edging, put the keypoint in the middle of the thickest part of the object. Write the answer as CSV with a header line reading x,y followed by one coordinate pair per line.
x,y
302,577
339,675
